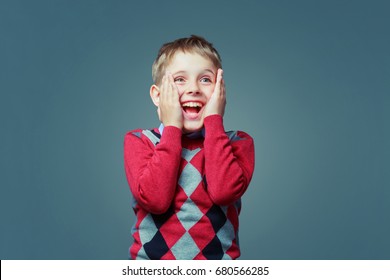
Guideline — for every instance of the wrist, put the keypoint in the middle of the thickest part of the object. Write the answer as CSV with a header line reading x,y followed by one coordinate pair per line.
x,y
208,114
175,124
213,125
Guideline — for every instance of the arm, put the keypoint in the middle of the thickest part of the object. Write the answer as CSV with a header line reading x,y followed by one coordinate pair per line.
x,y
229,164
152,171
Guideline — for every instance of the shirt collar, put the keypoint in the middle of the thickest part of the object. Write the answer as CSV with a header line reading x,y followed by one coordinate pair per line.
x,y
192,135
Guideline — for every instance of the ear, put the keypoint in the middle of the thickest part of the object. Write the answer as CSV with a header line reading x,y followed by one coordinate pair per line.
x,y
155,94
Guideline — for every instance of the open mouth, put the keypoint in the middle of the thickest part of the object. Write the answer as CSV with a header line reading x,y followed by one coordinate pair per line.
x,y
192,108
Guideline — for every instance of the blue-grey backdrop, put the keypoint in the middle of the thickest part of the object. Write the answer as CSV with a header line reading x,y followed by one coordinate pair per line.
x,y
309,80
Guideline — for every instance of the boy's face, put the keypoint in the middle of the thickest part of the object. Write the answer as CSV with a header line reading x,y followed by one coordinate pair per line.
x,y
195,77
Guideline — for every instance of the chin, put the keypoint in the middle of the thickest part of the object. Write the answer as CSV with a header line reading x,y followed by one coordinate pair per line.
x,y
192,126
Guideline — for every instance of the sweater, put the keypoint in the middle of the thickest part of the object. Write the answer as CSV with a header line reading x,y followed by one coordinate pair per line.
x,y
187,190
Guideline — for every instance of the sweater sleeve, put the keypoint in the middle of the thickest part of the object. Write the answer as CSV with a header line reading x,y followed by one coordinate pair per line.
x,y
152,171
229,163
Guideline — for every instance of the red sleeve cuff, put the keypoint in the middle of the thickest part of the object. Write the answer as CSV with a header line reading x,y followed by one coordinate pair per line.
x,y
172,135
214,125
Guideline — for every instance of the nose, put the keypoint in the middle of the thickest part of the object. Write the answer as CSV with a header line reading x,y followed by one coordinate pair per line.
x,y
193,88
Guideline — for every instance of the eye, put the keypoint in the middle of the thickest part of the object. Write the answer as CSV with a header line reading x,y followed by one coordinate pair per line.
x,y
179,80
205,80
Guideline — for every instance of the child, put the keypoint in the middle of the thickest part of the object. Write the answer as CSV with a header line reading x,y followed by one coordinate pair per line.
x,y
188,175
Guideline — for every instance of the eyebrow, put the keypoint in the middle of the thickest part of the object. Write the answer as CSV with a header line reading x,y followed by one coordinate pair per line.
x,y
209,70
185,72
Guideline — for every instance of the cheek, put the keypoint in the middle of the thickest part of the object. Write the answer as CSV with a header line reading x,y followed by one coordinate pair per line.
x,y
180,89
209,91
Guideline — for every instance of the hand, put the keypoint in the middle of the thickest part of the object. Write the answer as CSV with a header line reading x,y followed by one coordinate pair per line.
x,y
217,101
169,109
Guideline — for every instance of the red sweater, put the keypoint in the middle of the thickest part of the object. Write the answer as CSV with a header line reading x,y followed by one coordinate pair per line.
x,y
187,191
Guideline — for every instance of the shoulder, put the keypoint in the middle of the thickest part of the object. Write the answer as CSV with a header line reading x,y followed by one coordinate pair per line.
x,y
143,135
237,135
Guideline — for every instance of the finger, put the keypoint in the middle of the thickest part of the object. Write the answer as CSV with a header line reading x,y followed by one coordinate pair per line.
x,y
174,88
164,88
223,89
162,84
170,78
170,81
219,80
219,75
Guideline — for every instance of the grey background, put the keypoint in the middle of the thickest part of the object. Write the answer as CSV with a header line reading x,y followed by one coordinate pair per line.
x,y
309,80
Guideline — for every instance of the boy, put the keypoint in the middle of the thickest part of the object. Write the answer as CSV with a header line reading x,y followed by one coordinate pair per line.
x,y
188,175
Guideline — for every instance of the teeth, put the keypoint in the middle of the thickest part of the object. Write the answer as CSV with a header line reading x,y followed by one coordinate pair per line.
x,y
192,104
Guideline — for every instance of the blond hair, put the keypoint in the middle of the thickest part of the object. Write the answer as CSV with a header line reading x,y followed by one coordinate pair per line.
x,y
193,44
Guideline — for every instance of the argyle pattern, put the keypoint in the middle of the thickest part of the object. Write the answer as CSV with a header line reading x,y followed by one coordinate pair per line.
x,y
193,227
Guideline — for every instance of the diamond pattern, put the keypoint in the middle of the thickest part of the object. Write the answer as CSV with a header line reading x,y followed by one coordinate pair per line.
x,y
138,134
147,229
189,214
180,198
226,234
185,248
189,154
202,203
217,217
202,232
152,137
141,255
189,179
200,257
168,256
159,220
226,257
213,251
157,247
233,136
172,231
193,227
